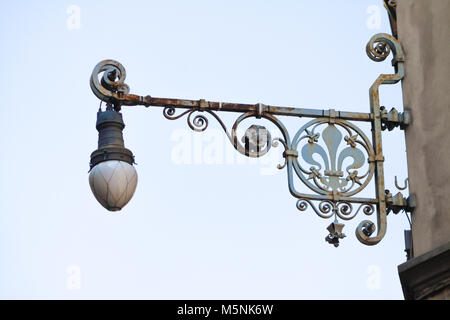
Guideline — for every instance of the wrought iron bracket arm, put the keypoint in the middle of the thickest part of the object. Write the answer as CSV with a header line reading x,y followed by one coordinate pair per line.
x,y
335,181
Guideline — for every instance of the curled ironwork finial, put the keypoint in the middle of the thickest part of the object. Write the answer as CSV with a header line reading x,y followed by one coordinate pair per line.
x,y
378,48
108,88
381,44
111,87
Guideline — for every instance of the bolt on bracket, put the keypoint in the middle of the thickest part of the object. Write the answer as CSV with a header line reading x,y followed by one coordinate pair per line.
x,y
393,119
398,202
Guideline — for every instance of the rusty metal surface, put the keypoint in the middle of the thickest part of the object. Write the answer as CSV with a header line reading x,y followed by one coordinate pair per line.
x,y
329,137
391,7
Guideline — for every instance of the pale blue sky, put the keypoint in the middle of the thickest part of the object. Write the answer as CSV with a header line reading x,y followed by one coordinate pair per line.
x,y
192,230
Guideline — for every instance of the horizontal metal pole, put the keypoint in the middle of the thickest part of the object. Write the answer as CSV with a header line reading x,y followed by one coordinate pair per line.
x,y
203,105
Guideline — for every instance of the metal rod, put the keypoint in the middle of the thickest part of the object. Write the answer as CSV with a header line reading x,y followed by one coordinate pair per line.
x,y
241,107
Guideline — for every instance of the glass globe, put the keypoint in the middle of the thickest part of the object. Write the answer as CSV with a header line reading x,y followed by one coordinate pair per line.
x,y
113,183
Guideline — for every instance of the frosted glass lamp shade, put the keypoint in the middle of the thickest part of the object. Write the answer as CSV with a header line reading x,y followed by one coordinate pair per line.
x,y
113,183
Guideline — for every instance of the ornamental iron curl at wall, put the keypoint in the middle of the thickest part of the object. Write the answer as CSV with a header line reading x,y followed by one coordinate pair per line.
x,y
330,155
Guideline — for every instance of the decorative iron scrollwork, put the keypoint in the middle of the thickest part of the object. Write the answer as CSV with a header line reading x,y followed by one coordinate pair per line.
x,y
339,209
330,175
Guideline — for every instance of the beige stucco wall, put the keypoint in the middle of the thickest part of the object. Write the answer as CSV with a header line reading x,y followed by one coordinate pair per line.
x,y
424,32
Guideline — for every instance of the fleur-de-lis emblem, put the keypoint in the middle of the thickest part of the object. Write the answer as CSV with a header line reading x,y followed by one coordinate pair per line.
x,y
333,175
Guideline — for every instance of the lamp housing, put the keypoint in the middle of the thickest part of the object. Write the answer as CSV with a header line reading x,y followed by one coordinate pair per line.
x,y
112,176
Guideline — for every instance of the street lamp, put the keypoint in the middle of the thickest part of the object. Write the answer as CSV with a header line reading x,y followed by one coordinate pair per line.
x,y
348,159
112,177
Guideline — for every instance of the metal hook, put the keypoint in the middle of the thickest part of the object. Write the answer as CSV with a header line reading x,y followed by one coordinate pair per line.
x,y
401,188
